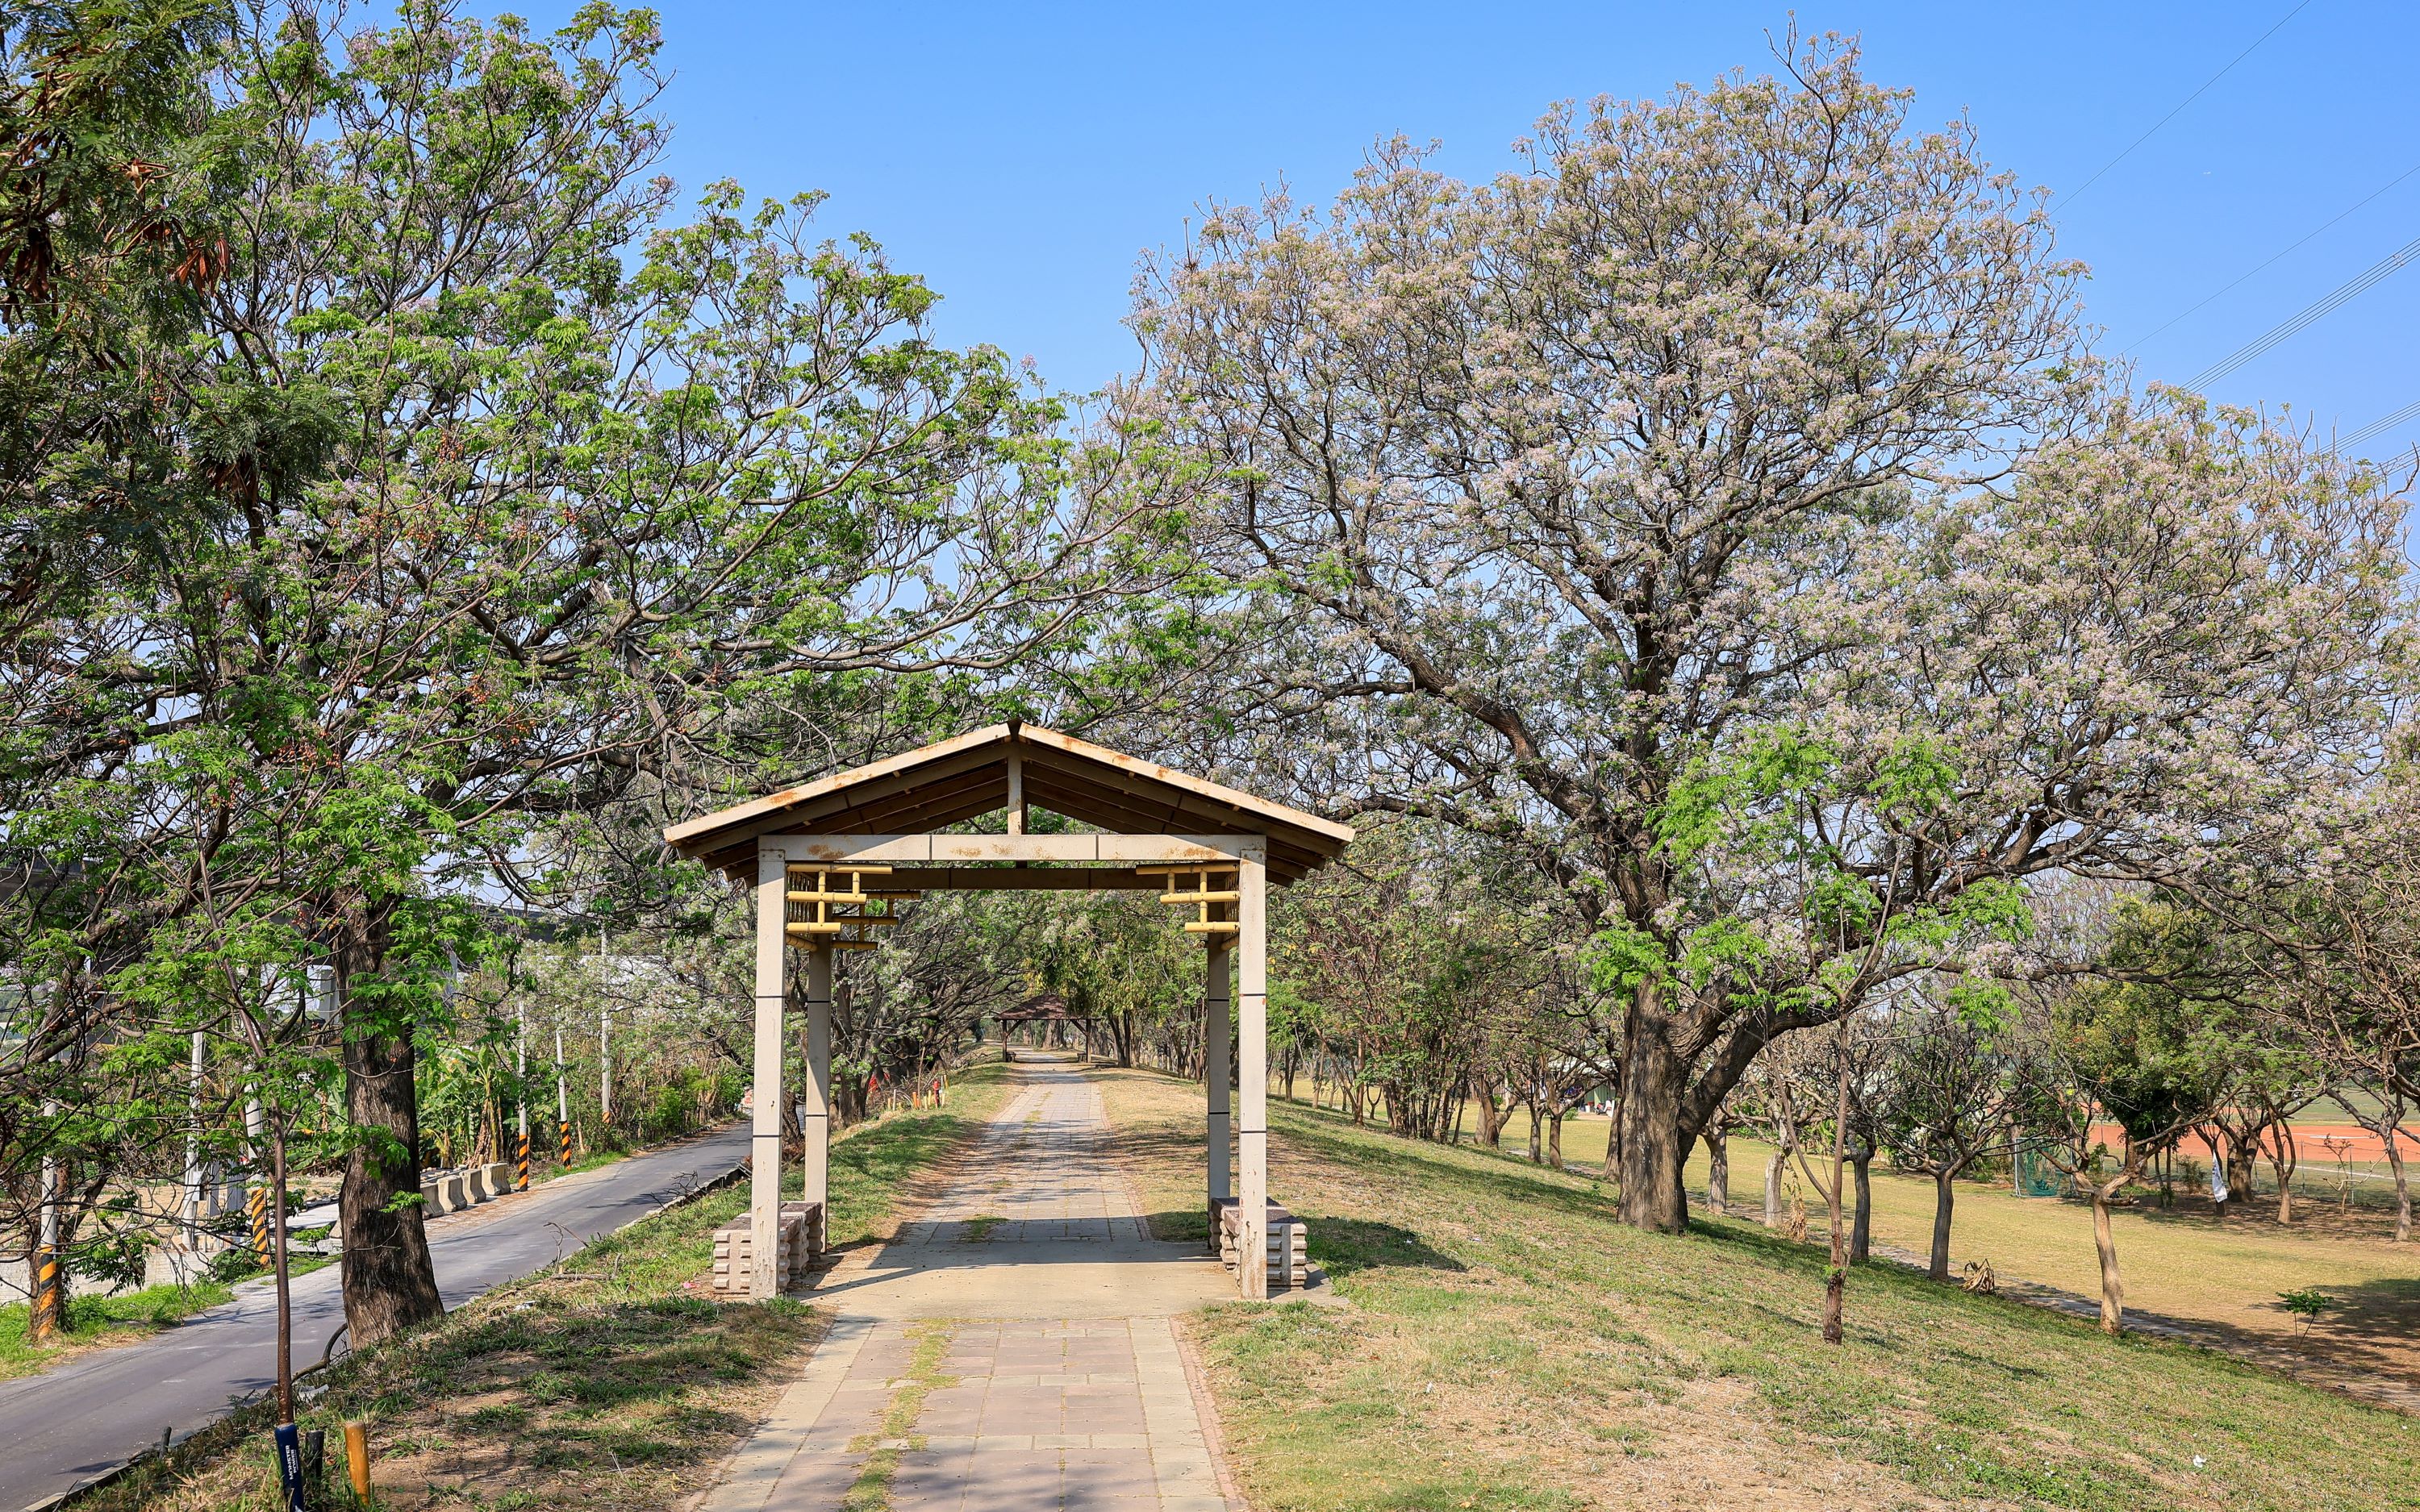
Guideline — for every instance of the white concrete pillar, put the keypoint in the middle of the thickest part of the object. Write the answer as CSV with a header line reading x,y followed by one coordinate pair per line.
x,y
1253,1078
521,1097
1218,1074
562,1101
45,1311
765,1145
195,1176
256,1159
816,1125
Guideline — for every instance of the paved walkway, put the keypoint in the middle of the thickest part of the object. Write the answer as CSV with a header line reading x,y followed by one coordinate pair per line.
x,y
1009,1352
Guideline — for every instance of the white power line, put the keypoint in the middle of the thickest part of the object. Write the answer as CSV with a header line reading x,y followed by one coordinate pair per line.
x,y
2309,316
2183,103
2273,261
2380,426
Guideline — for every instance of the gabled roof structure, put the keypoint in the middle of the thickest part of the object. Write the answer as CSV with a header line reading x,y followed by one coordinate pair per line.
x,y
811,851
1001,766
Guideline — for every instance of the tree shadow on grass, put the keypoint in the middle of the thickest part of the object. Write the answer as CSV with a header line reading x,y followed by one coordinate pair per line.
x,y
870,1168
1444,1167
1346,1246
2374,1326
630,1382
1183,1225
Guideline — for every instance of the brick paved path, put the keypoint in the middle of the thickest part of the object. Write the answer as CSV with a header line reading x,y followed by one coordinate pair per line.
x,y
1010,1350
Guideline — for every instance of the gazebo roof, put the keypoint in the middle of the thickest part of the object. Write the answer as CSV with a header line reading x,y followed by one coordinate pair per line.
x,y
968,776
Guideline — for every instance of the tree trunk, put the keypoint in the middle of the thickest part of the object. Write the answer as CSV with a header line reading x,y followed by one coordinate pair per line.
x,y
1491,1118
1555,1138
1654,1079
2105,1240
2240,1166
1773,1187
2282,1161
1613,1141
1835,1284
1861,1231
2402,1185
390,1283
1537,1132
1945,1199
1718,1170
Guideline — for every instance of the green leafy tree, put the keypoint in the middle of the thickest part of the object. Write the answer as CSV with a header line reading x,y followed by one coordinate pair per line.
x,y
1958,1074
2112,1053
517,488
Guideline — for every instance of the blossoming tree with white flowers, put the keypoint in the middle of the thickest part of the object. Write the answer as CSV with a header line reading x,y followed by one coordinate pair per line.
x,y
1722,510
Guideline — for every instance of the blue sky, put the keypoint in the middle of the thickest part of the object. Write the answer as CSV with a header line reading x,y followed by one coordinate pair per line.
x,y
1020,158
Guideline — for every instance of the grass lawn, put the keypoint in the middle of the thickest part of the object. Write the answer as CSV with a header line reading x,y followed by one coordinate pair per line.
x,y
2181,1261
1511,1347
609,1381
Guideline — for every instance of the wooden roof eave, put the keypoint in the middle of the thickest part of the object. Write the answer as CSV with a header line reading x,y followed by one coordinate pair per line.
x,y
1286,858
779,810
950,781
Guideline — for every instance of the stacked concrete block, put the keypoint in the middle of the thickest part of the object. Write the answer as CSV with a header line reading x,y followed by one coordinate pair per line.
x,y
1289,1243
799,1238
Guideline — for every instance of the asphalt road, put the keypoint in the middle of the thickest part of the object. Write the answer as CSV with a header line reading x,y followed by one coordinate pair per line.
x,y
65,1427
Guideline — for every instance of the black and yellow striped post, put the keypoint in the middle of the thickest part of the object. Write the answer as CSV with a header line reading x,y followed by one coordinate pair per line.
x,y
520,1116
42,1313
565,1126
256,1212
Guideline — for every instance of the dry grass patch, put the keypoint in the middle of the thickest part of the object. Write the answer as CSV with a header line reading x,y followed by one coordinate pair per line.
x,y
2181,1261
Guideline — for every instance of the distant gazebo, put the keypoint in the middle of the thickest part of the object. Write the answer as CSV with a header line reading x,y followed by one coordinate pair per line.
x,y
833,859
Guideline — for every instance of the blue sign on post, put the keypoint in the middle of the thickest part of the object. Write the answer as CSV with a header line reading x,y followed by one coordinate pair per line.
x,y
289,1465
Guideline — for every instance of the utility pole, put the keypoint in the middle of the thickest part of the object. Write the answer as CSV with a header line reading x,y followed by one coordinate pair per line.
x,y
520,1095
193,1155
562,1101
604,1027
256,1203
45,1316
